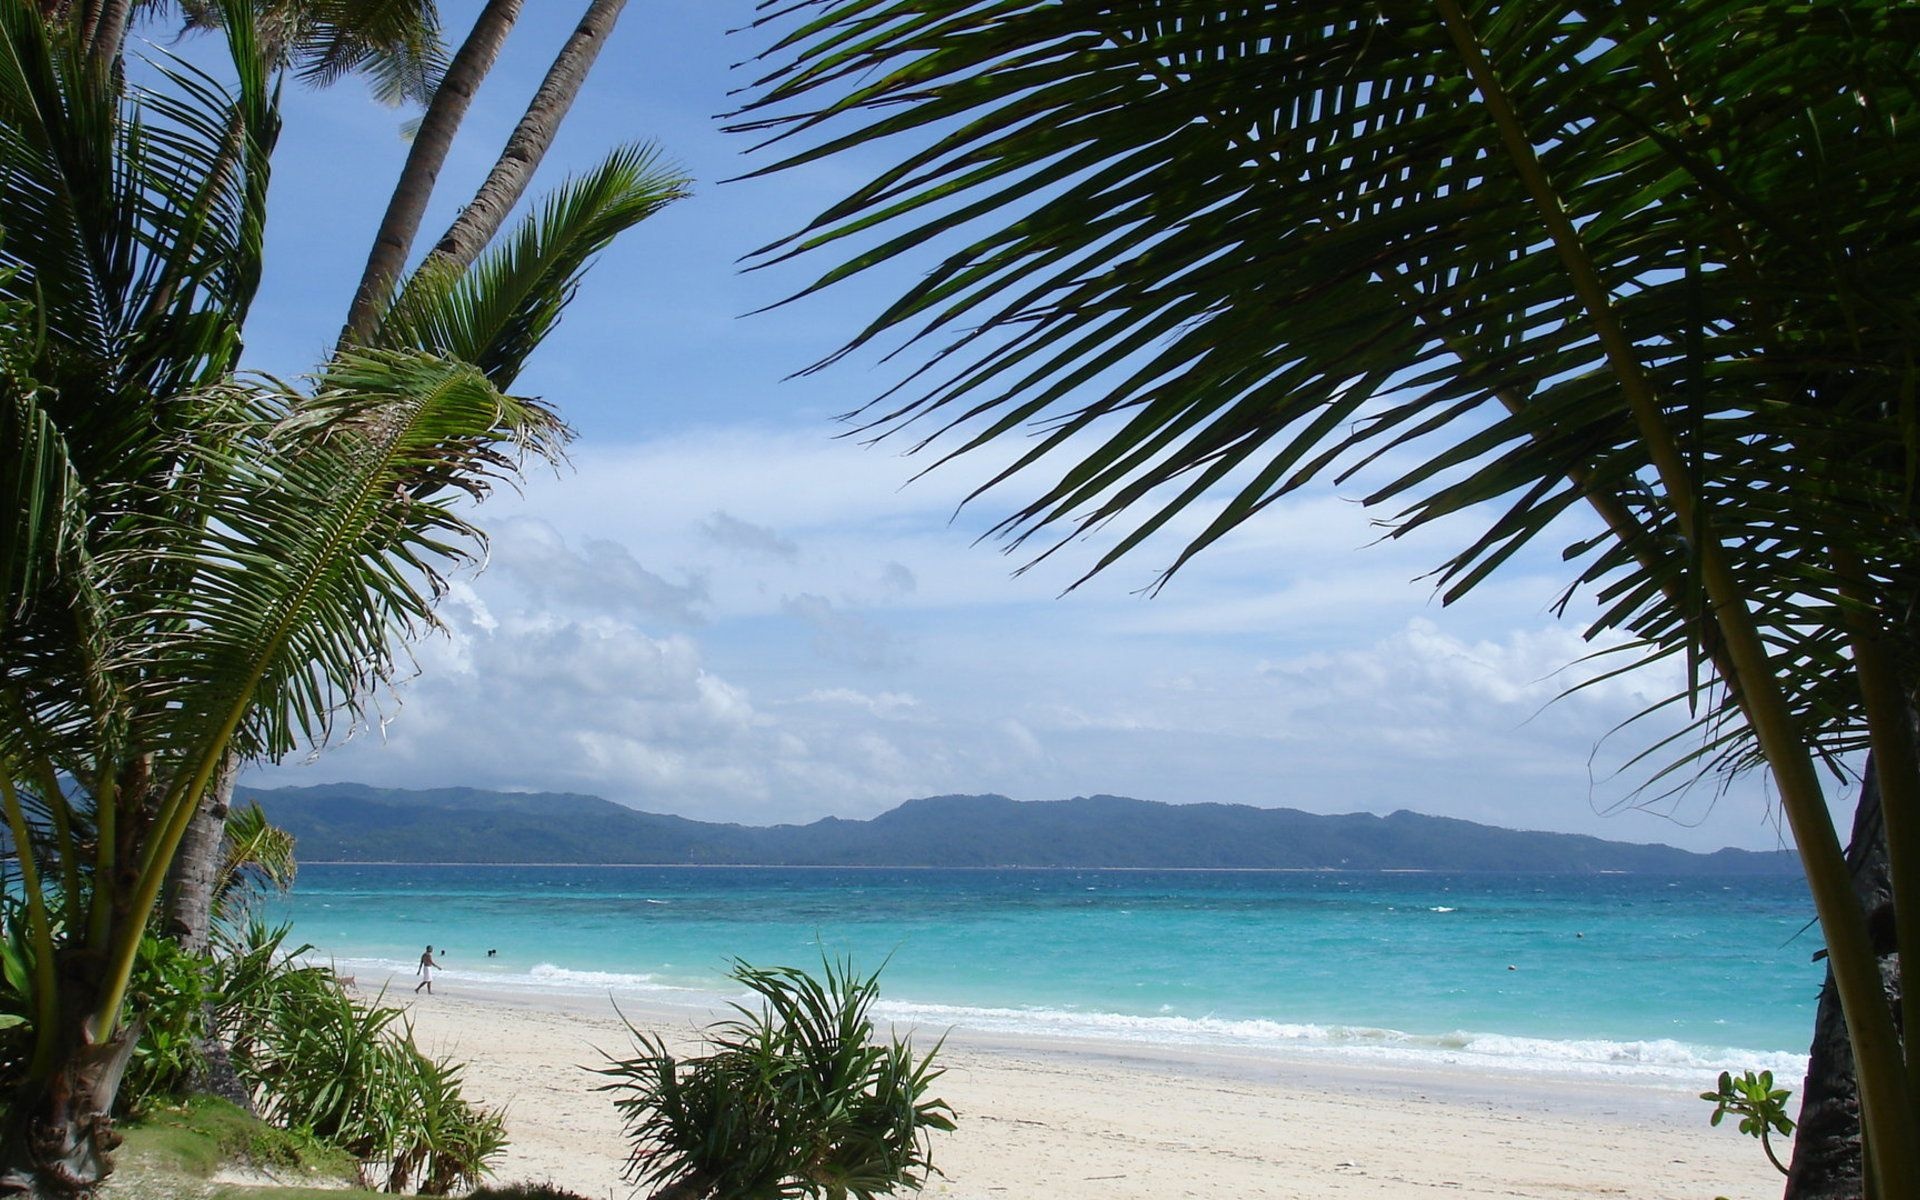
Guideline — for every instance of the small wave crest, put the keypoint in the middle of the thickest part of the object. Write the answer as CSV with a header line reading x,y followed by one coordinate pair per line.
x,y
1658,1059
552,975
391,974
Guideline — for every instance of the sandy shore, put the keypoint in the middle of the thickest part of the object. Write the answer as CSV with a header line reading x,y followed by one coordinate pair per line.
x,y
1084,1120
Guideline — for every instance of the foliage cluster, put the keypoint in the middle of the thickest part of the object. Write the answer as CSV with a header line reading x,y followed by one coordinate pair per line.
x,y
526,1191
1761,1107
319,1063
794,1099
350,1073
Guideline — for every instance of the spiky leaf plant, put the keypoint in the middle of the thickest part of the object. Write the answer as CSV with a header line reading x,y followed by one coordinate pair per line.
x,y
795,1098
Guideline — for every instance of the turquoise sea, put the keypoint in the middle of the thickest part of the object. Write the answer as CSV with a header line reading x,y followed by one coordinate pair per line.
x,y
1659,979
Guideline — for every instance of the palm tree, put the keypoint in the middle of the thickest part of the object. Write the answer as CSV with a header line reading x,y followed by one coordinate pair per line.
x,y
483,216
197,561
1655,259
480,220
431,144
477,226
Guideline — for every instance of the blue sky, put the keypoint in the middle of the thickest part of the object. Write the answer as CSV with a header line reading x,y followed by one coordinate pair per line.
x,y
719,609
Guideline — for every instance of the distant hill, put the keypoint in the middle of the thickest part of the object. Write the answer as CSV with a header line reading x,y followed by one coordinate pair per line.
x,y
349,822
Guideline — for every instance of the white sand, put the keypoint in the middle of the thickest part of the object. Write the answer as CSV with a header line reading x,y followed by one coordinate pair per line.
x,y
1085,1120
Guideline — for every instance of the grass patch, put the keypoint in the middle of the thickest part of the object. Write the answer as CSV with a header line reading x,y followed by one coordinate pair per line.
x,y
172,1153
192,1141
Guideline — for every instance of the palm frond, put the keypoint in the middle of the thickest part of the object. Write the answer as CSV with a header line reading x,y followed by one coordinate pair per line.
x,y
495,313
397,44
133,223
323,531
1215,252
39,489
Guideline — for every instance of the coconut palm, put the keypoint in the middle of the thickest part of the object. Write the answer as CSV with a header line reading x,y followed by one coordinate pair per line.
x,y
479,221
387,258
198,561
1499,259
394,44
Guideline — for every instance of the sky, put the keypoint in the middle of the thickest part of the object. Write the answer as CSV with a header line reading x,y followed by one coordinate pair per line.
x,y
724,608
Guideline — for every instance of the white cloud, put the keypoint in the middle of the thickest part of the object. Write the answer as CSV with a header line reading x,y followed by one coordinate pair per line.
x,y
602,575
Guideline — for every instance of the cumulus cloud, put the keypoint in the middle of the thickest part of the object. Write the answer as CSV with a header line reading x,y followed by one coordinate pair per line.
x,y
895,577
601,576
886,705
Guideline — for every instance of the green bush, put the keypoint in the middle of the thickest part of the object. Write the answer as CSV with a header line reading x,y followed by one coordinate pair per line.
x,y
795,1100
16,994
319,1060
168,995
444,1143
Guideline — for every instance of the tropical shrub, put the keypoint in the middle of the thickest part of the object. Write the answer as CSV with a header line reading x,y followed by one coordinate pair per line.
x,y
168,1001
441,1142
319,1060
794,1099
256,857
526,1191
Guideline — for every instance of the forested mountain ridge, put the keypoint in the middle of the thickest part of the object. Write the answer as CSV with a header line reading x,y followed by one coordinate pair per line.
x,y
349,822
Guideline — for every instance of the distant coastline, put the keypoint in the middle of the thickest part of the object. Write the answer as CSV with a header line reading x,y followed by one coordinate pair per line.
x,y
353,823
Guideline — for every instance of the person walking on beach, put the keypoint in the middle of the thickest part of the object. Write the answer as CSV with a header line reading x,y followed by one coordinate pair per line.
x,y
428,965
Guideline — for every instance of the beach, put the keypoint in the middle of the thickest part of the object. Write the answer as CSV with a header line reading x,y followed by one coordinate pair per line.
x,y
1084,1119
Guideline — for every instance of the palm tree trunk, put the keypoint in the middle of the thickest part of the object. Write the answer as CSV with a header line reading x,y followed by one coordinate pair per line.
x,y
109,31
59,1144
1826,1149
188,914
429,151
507,182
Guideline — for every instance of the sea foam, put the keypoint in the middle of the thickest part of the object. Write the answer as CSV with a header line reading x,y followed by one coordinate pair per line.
x,y
1653,1060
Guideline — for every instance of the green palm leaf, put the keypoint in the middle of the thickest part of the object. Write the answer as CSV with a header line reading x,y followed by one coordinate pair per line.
x,y
395,43
494,314
1221,251
325,529
1487,260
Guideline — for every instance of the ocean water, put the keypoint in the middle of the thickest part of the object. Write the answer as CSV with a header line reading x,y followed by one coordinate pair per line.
x,y
1662,980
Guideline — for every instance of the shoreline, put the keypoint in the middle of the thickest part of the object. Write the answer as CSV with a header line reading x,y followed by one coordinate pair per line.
x,y
1081,1119
1571,1064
